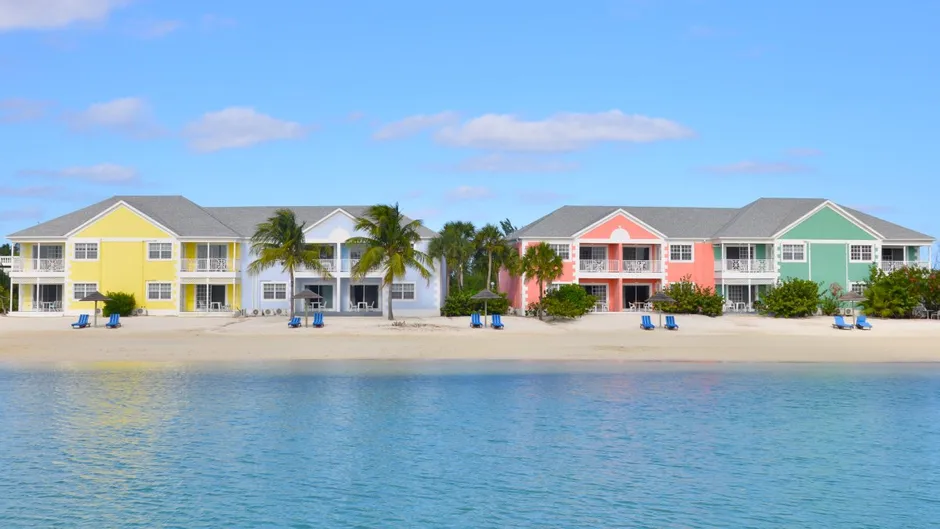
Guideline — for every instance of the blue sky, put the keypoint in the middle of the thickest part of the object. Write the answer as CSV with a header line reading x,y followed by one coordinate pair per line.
x,y
469,110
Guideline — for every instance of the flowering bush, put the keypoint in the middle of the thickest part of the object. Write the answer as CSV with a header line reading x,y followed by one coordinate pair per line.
x,y
898,294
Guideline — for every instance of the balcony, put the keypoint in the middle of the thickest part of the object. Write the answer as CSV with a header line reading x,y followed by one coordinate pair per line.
x,y
6,261
625,268
27,266
641,267
347,265
750,269
212,266
329,265
891,266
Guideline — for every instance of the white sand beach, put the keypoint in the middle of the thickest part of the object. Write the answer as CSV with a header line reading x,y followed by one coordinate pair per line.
x,y
609,337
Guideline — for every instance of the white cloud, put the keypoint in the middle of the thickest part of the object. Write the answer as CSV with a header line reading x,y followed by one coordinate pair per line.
x,y
413,125
560,132
130,116
501,163
237,127
751,167
29,192
159,28
105,173
18,110
804,152
50,14
470,193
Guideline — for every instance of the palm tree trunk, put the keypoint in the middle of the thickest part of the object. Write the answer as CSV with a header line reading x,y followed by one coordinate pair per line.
x,y
489,269
460,277
390,315
541,295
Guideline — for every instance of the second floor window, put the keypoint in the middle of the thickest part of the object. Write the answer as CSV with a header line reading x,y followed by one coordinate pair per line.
x,y
793,252
860,252
680,252
563,251
159,251
86,251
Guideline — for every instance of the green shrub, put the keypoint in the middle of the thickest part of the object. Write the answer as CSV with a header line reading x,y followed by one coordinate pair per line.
x,y
899,293
568,301
692,299
791,298
121,303
458,303
533,309
829,304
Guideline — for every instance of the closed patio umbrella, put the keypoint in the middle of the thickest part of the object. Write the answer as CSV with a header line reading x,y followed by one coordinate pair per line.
x,y
852,297
660,297
485,295
96,297
307,295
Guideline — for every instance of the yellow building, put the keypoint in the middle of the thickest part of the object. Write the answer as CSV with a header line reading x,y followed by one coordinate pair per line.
x,y
171,254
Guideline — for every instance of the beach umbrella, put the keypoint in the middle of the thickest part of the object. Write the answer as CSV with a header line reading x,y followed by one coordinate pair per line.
x,y
852,297
660,297
96,297
485,295
307,296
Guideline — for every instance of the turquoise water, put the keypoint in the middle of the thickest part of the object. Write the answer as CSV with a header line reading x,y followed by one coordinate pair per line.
x,y
471,445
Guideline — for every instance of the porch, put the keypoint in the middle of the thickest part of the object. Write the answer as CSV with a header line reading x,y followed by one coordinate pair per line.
x,y
619,295
750,260
740,298
620,260
338,259
209,259
342,295
209,298
900,257
37,298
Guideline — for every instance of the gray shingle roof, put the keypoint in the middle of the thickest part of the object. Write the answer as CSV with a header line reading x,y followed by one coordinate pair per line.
x,y
186,218
762,218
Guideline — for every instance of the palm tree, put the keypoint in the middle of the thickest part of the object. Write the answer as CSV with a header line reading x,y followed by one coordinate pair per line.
x,y
280,241
507,227
390,245
542,263
455,246
490,241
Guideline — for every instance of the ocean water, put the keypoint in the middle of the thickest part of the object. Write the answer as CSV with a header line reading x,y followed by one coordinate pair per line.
x,y
472,445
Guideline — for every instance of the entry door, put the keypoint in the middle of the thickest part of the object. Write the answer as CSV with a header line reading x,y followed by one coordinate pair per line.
x,y
212,257
326,294
210,297
635,294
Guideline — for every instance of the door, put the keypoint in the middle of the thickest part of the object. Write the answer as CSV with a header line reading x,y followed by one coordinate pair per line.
x,y
635,294
210,297
326,295
367,294
600,293
636,253
212,257
47,298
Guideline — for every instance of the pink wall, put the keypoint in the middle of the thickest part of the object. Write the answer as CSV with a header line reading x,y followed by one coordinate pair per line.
x,y
702,269
619,221
512,286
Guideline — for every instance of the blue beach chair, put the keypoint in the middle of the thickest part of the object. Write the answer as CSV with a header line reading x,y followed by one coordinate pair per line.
x,y
114,322
294,322
671,323
81,323
840,324
497,322
646,323
475,322
318,320
862,323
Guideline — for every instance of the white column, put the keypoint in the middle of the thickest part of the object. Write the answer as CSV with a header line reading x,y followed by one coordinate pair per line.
x,y
336,290
929,261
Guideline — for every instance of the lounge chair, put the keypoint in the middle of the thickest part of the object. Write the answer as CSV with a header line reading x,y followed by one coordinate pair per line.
x,y
862,323
114,322
840,324
671,323
294,322
646,323
497,322
475,322
81,323
318,320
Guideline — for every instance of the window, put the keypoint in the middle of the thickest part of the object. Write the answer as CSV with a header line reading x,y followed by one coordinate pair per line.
x,y
552,287
793,252
80,290
860,252
86,251
563,250
159,251
405,291
680,252
858,288
159,291
274,291
598,291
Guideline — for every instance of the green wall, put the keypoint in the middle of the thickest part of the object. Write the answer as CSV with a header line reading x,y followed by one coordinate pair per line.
x,y
827,224
827,264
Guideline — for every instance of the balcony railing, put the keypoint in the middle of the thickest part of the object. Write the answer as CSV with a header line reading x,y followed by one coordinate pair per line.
x,y
23,264
209,265
598,266
891,266
606,266
6,261
746,266
328,264
642,267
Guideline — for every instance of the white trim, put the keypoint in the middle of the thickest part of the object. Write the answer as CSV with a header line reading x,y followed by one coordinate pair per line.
x,y
74,245
72,285
328,216
113,207
801,244
169,243
871,248
213,239
908,242
621,211
275,298
39,238
121,239
837,209
414,288
147,290
680,243
874,242
631,242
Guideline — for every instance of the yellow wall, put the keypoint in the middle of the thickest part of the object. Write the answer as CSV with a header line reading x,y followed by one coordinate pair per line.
x,y
122,266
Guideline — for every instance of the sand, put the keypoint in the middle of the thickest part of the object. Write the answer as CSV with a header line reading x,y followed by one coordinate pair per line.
x,y
608,337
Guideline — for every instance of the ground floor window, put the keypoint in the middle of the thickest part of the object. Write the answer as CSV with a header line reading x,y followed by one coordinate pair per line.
x,y
737,293
635,294
858,288
210,297
363,297
274,291
598,291
326,296
403,291
81,290
159,291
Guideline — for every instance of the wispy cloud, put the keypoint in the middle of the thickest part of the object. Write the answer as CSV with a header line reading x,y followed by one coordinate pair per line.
x,y
52,14
238,127
804,152
105,173
21,214
158,28
18,110
560,132
502,163
128,116
469,193
30,192
752,167
413,125
540,196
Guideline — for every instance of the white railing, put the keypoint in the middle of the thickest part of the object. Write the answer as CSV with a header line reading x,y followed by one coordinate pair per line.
x,y
598,266
746,266
209,265
891,266
642,267
40,306
22,264
6,261
329,265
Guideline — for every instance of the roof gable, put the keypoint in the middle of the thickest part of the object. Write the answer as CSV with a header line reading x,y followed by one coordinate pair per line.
x,y
827,221
121,220
612,226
